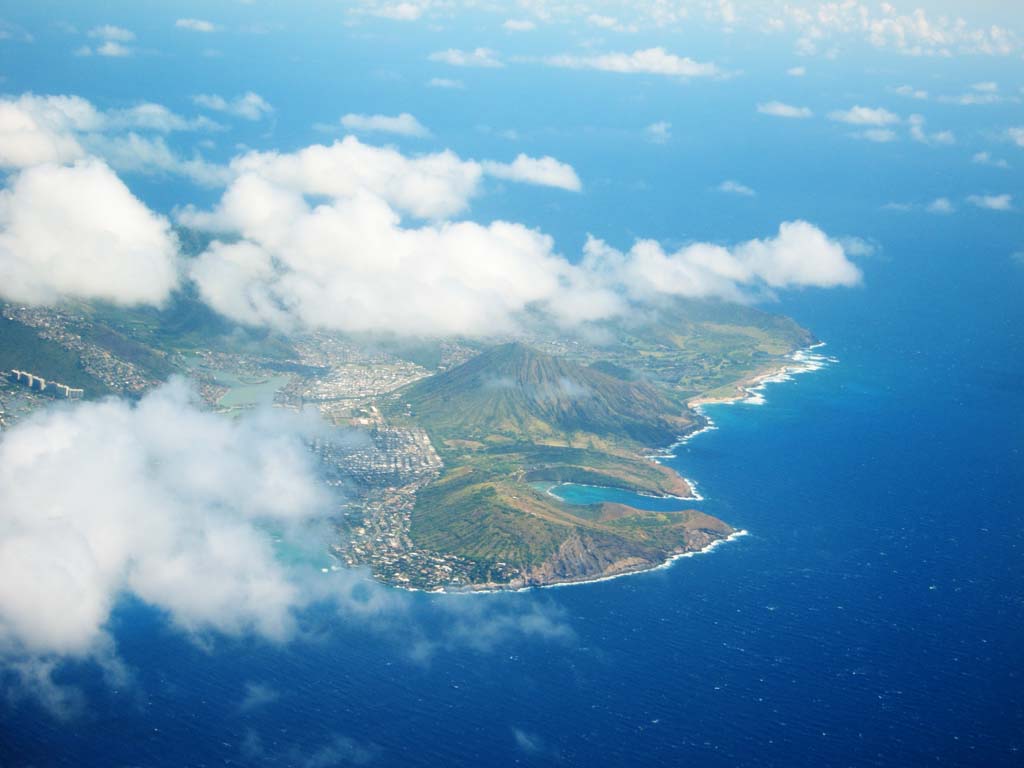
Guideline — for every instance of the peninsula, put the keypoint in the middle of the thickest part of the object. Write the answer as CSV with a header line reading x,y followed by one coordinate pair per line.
x,y
462,438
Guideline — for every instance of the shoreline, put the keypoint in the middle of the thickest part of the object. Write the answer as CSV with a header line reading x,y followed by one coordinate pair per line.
x,y
803,360
750,390
667,563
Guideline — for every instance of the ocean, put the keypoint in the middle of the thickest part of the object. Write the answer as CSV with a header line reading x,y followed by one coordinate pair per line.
x,y
874,615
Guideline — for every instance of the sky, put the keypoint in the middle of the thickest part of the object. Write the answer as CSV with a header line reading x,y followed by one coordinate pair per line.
x,y
433,168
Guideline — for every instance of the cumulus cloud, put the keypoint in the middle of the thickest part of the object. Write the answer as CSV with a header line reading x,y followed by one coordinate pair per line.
x,y
979,94
113,45
36,130
992,202
941,205
796,71
610,23
112,32
735,188
61,129
40,129
659,132
399,11
133,153
250,106
195,25
403,124
858,115
478,57
1016,135
918,133
78,231
780,109
911,92
351,265
544,171
986,158
103,500
428,186
322,238
349,260
654,61
519,25
883,26
799,255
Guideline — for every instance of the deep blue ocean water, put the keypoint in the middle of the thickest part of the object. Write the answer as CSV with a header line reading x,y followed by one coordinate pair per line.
x,y
873,616
875,613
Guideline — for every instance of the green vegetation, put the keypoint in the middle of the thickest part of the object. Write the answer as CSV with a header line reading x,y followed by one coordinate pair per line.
x,y
514,393
21,347
693,347
591,414
588,409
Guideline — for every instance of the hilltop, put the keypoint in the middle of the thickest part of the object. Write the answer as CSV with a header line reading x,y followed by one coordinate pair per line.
x,y
513,417
513,392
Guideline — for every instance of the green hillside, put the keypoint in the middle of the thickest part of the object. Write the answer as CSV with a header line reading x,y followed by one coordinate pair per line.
x,y
22,348
514,392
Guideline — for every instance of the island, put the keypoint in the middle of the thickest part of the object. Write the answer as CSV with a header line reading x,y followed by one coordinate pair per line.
x,y
464,438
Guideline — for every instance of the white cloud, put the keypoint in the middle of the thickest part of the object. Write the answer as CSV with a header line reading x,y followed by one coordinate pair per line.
x,y
113,45
985,158
545,171
659,132
350,262
779,109
35,130
519,25
403,124
132,153
992,202
799,255
61,129
877,135
796,71
911,92
400,11
444,82
196,25
914,34
735,188
77,231
858,115
918,133
104,499
351,266
609,22
110,48
980,94
1016,135
250,106
154,117
429,186
654,61
941,205
478,57
111,32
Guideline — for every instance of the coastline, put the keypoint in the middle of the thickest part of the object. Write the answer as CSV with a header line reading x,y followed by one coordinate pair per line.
x,y
749,391
667,563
